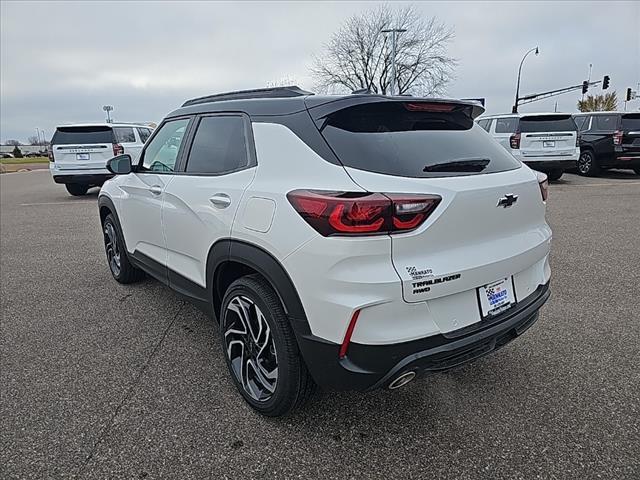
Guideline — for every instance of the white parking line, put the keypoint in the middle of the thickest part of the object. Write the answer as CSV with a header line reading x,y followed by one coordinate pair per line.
x,y
55,203
601,184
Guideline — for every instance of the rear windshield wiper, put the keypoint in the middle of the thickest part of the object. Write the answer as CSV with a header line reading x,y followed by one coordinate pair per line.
x,y
466,165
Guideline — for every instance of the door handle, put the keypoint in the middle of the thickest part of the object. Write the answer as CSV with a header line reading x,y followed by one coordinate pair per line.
x,y
220,200
156,189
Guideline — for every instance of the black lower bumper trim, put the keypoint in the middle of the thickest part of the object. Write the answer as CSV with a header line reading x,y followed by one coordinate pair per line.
x,y
368,367
92,179
548,165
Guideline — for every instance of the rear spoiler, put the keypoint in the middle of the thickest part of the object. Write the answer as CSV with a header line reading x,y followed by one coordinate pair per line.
x,y
321,107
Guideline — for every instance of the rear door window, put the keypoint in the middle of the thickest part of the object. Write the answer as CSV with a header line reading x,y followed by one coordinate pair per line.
x,y
581,122
547,123
219,146
486,124
605,123
506,125
124,135
393,139
82,135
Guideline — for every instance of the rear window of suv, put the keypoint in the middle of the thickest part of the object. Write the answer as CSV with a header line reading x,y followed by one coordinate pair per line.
x,y
631,122
548,123
82,135
393,139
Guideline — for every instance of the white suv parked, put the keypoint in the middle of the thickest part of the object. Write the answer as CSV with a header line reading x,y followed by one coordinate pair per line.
x,y
547,142
351,242
79,152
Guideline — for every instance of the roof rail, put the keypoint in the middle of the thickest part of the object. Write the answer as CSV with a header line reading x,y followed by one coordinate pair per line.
x,y
276,92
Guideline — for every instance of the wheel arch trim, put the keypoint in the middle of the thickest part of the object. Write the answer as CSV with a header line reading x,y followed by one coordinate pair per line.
x,y
237,251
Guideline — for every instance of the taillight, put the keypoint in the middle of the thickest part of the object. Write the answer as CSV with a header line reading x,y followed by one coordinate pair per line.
x,y
543,182
514,140
50,154
361,213
117,149
617,137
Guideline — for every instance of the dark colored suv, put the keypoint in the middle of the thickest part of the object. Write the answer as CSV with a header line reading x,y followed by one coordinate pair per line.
x,y
608,140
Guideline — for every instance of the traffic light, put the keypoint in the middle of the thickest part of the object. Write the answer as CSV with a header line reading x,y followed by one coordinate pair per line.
x,y
605,82
585,87
628,97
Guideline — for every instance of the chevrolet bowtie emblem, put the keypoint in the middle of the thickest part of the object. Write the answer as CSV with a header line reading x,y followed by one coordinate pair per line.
x,y
508,200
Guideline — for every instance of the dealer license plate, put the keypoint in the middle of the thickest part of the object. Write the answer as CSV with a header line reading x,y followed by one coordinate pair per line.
x,y
549,143
496,297
82,156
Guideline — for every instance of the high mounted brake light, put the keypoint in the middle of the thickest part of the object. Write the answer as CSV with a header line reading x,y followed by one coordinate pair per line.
x,y
362,213
429,107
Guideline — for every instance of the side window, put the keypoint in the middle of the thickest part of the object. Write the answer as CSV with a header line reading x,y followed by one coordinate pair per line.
x,y
161,153
124,135
580,122
219,146
144,134
606,123
484,124
506,125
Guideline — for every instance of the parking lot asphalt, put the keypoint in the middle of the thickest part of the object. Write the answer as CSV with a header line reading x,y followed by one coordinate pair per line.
x,y
100,380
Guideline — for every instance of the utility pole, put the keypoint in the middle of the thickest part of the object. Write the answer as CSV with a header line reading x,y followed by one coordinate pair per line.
x,y
38,134
394,32
108,109
588,77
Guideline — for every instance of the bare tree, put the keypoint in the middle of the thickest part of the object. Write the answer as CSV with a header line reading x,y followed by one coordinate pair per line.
x,y
33,140
285,81
12,142
359,55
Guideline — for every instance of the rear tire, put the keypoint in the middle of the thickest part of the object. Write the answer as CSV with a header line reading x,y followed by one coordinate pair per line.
x,y
76,189
587,164
121,269
261,349
555,175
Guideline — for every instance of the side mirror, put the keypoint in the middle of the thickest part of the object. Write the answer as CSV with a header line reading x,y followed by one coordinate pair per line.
x,y
120,165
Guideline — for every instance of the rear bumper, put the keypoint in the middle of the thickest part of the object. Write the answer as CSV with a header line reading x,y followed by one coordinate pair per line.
x,y
548,165
627,157
83,179
367,367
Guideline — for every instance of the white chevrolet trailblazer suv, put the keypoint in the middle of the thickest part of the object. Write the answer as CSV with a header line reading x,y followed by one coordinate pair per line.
x,y
547,142
351,242
79,153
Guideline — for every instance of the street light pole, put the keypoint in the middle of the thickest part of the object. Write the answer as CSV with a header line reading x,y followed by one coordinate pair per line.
x,y
394,32
515,105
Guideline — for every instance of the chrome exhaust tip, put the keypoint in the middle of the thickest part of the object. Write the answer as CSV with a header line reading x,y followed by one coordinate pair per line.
x,y
402,380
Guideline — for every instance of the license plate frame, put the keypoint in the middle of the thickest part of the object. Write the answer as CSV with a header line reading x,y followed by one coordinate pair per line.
x,y
83,157
548,144
496,297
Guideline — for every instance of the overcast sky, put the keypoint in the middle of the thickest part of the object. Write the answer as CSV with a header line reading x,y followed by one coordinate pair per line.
x,y
61,61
